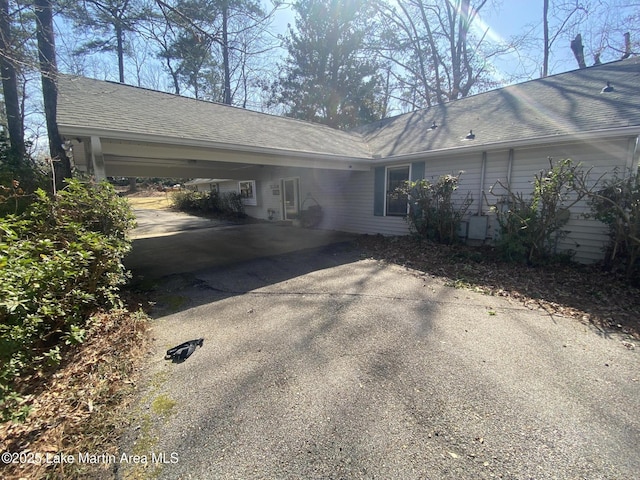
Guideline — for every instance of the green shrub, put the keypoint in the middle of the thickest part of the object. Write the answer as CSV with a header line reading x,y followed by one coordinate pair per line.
x,y
59,261
19,179
185,200
231,205
227,204
433,213
530,227
617,204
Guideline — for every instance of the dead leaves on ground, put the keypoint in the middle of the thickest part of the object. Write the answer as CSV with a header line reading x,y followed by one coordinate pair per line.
x,y
587,293
72,410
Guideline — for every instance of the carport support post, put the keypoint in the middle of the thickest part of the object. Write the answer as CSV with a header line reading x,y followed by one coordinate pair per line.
x,y
97,160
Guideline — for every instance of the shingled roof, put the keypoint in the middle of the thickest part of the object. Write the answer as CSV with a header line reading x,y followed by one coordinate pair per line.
x,y
571,103
113,109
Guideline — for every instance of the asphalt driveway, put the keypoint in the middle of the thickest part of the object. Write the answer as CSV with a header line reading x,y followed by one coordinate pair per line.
x,y
319,363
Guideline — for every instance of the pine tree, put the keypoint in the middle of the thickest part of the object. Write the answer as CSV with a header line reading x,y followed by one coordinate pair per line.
x,y
329,76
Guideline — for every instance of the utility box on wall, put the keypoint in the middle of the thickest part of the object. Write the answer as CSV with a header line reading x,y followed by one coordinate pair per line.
x,y
477,227
463,227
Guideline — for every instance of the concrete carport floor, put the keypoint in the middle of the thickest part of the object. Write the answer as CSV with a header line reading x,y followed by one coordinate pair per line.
x,y
319,363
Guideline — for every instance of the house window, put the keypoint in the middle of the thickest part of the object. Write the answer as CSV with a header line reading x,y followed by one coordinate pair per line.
x,y
396,177
247,189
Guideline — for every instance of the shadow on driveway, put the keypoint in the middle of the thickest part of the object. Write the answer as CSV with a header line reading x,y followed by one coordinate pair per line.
x,y
318,363
171,253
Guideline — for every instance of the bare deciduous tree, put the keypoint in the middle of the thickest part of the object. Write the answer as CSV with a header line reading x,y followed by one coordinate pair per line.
x,y
438,49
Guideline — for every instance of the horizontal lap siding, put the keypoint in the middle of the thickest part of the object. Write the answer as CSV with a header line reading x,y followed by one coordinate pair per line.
x,y
496,178
326,187
469,165
264,178
347,197
228,187
356,213
232,186
587,237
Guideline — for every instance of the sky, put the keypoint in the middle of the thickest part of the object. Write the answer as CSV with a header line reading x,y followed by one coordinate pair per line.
x,y
505,19
513,18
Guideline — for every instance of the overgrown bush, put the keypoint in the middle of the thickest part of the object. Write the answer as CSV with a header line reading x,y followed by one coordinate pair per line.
x,y
617,204
20,177
187,200
433,213
530,227
228,204
59,261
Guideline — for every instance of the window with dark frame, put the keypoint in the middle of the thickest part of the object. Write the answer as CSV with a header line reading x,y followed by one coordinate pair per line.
x,y
396,177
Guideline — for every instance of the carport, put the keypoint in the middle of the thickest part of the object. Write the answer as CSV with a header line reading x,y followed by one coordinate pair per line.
x,y
171,243
145,133
277,163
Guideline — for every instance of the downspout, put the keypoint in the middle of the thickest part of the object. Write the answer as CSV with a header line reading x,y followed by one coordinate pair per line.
x,y
509,168
97,160
482,175
632,155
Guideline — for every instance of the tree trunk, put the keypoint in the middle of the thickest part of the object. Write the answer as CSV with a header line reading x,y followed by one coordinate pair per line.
x,y
49,72
174,77
546,47
225,53
627,46
578,50
120,51
10,85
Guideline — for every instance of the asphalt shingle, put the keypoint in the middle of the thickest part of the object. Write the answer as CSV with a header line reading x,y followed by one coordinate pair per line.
x,y
108,106
568,103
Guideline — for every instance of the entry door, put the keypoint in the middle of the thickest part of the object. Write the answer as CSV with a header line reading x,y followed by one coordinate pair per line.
x,y
290,196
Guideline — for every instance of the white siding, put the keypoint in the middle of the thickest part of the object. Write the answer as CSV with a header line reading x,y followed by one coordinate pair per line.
x,y
356,213
326,187
496,174
228,186
587,237
347,198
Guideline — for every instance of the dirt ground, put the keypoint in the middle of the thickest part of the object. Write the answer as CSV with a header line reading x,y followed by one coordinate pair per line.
x,y
146,198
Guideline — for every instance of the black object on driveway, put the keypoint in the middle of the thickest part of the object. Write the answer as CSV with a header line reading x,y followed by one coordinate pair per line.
x,y
183,351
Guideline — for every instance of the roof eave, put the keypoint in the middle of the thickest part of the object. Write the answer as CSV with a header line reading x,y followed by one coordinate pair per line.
x,y
357,162
592,135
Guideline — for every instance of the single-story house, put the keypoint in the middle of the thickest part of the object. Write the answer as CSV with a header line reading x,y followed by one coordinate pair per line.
x,y
282,165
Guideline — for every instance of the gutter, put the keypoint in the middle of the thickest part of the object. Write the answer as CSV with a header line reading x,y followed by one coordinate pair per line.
x,y
71,131
513,144
358,162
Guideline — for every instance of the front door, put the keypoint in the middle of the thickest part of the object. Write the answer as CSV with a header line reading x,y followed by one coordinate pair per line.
x,y
290,198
